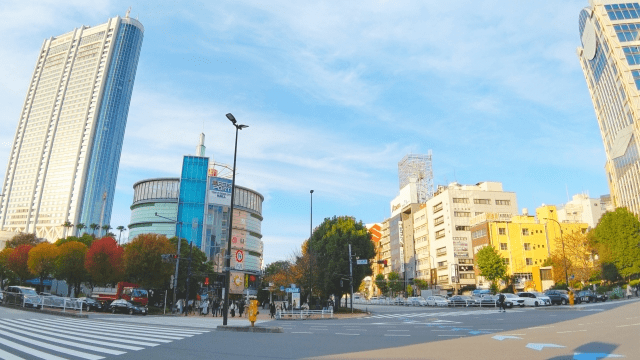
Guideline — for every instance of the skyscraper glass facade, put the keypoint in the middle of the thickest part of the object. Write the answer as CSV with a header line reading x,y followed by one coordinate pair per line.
x,y
64,160
610,60
191,204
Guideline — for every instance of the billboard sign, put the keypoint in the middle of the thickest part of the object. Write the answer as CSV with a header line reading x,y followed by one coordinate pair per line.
x,y
236,283
220,191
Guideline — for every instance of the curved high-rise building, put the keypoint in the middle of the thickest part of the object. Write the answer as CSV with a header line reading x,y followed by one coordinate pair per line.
x,y
610,58
64,161
151,197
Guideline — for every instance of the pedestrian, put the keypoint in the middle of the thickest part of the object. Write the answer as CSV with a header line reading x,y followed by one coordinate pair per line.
x,y
629,291
272,310
240,308
501,298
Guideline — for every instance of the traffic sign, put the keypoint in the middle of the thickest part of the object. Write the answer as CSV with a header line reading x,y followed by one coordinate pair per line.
x,y
362,262
292,290
281,288
239,255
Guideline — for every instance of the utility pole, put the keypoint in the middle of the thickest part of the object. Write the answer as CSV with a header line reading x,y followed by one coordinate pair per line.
x,y
351,276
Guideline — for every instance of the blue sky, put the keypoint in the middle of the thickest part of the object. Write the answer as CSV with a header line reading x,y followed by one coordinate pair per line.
x,y
335,94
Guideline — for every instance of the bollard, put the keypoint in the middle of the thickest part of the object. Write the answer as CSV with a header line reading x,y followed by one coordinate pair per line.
x,y
571,298
253,311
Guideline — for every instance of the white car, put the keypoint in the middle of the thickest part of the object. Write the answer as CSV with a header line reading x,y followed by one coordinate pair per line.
x,y
437,301
534,298
512,300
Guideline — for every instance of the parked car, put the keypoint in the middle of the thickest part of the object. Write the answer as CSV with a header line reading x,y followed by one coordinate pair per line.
x,y
560,297
461,300
19,295
437,301
123,306
89,304
398,301
512,300
487,301
534,298
590,296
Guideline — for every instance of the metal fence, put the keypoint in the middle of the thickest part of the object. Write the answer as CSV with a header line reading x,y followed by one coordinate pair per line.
x,y
41,301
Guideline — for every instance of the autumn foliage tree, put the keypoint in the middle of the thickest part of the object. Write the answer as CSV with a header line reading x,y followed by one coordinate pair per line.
x,y
4,265
23,239
18,262
42,260
143,261
104,261
70,264
580,260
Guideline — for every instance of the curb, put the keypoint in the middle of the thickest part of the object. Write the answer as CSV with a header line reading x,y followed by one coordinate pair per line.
x,y
254,329
46,311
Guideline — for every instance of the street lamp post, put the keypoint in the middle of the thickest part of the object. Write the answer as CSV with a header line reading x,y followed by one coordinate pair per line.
x,y
228,255
564,256
311,222
175,277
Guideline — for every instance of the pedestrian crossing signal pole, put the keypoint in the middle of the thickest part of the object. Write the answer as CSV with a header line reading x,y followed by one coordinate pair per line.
x,y
351,276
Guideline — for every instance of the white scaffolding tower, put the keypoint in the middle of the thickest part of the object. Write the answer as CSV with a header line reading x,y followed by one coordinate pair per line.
x,y
418,167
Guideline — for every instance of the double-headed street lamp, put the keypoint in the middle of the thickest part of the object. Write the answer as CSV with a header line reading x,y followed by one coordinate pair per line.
x,y
175,280
564,256
227,280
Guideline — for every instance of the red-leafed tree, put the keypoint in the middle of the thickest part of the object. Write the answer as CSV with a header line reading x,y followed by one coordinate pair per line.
x,y
104,261
18,262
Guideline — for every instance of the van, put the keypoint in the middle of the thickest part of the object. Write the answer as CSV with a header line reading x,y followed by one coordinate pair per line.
x,y
19,295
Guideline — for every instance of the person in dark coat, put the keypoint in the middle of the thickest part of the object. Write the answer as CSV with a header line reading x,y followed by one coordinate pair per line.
x,y
272,310
501,299
240,308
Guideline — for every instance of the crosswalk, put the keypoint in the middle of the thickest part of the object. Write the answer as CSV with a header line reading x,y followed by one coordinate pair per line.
x,y
55,339
435,314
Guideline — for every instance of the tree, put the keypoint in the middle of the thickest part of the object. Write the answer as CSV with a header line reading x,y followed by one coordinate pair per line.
x,y
104,261
4,265
93,228
491,265
121,229
18,262
382,283
330,243
42,260
200,267
395,283
143,260
70,264
106,229
23,239
67,224
304,271
580,261
616,238
86,239
80,227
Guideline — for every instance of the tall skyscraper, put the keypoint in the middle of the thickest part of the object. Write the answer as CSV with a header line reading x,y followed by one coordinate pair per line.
x,y
610,59
64,160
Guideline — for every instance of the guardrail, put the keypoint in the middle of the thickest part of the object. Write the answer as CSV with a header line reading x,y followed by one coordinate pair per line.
x,y
41,301
304,313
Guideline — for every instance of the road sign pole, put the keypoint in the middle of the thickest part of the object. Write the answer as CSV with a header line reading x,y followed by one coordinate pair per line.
x,y
351,276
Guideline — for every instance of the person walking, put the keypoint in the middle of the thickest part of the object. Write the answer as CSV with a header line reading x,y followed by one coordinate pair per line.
x,y
629,291
501,308
272,310
240,308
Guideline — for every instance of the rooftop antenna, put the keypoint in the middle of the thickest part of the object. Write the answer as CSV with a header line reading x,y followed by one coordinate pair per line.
x,y
128,12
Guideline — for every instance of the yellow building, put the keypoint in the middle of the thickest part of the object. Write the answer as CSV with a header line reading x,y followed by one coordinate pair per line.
x,y
524,241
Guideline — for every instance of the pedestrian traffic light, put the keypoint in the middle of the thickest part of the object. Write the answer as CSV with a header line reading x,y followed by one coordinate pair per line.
x,y
206,281
169,257
382,262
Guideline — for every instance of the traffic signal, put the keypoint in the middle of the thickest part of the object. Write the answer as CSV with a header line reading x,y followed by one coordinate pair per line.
x,y
168,258
382,262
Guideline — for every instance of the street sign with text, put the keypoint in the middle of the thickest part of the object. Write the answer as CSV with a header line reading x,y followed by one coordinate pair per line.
x,y
361,262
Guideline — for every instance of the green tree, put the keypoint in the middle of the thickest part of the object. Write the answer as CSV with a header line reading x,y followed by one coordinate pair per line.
x,y
70,264
106,229
93,228
104,262
42,260
491,265
4,266
67,224
616,238
121,229
330,243
395,283
143,260
382,284
86,239
200,267
23,239
80,227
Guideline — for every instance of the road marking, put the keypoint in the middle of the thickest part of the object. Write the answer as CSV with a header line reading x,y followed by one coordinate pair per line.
x,y
397,330
540,327
594,356
539,347
301,332
347,334
570,331
628,325
454,335
490,329
502,337
396,335
9,356
52,347
29,351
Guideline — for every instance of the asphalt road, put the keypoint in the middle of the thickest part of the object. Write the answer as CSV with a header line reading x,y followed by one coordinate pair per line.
x,y
389,332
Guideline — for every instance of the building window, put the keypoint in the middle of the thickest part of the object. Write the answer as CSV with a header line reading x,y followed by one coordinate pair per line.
x,y
440,234
438,221
461,214
529,261
463,228
479,233
482,201
460,200
527,246
465,261
443,279
442,264
503,246
545,274
502,231
525,232
437,208
441,251
503,202
506,261
467,276
623,11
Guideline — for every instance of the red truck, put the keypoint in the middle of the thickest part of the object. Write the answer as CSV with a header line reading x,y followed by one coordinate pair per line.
x,y
128,291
